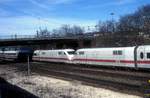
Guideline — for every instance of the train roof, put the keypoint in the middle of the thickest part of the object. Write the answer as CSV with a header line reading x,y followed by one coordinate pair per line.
x,y
110,48
57,50
114,48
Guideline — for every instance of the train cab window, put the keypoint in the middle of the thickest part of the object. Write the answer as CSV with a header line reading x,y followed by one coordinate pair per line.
x,y
35,54
141,55
148,55
61,53
75,53
71,52
64,53
81,53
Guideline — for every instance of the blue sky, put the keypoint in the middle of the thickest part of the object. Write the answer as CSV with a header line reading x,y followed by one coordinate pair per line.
x,y
24,17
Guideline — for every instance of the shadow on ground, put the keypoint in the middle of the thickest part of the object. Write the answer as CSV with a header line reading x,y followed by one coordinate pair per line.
x,y
8,90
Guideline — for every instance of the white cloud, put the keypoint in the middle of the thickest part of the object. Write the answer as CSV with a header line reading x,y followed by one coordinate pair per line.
x,y
122,2
39,4
49,3
28,25
111,3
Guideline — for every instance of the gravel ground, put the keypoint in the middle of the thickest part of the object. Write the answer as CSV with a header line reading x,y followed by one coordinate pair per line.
x,y
47,87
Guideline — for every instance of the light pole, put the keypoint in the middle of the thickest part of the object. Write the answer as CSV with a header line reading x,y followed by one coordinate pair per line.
x,y
112,19
112,14
89,28
28,60
96,28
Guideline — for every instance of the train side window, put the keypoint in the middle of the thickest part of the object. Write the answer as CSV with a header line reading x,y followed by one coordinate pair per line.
x,y
81,53
141,55
43,53
119,52
148,55
59,53
114,52
71,52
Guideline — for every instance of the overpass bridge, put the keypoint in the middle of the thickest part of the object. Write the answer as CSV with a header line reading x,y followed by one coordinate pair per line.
x,y
47,41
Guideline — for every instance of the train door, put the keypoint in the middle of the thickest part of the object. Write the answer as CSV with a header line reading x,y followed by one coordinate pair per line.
x,y
39,55
64,56
82,57
140,57
42,55
147,57
117,54
144,57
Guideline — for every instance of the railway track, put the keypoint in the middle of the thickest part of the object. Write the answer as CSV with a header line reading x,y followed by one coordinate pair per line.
x,y
94,71
131,82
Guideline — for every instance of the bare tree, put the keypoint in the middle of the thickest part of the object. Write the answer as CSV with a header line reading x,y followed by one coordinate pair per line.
x,y
65,30
69,31
42,33
107,27
136,23
77,30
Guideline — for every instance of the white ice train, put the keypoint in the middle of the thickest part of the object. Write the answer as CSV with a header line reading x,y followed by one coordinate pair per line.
x,y
135,57
62,55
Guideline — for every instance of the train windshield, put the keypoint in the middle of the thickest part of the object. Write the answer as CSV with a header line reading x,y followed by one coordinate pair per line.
x,y
71,52
35,54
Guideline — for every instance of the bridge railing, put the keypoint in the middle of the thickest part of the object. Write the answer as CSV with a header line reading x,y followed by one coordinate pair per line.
x,y
10,37
34,37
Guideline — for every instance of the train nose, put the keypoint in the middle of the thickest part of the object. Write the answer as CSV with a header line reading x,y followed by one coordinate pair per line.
x,y
71,57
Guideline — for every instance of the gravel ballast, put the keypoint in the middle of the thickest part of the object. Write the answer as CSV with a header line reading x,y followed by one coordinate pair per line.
x,y
49,87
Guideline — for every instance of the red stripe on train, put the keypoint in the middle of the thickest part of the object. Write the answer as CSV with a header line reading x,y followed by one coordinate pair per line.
x,y
145,62
97,60
113,61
